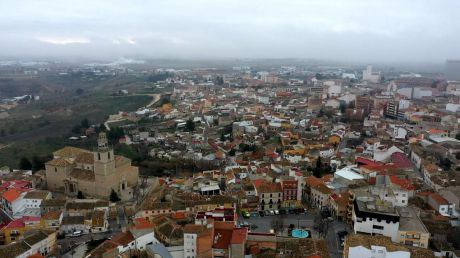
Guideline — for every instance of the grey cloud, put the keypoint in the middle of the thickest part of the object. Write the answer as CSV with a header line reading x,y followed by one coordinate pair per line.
x,y
395,30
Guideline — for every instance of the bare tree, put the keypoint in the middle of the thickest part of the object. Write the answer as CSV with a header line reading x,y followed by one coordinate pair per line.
x,y
277,224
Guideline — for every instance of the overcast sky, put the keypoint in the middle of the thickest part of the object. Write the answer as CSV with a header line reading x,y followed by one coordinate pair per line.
x,y
367,30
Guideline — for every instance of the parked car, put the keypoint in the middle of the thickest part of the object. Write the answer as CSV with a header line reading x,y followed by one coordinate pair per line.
x,y
245,214
267,213
283,212
261,213
272,213
76,233
277,212
254,214
341,236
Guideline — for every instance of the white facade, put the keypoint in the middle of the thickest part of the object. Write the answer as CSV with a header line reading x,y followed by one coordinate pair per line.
x,y
334,90
376,252
453,107
416,159
16,208
33,203
375,227
190,250
326,153
397,197
348,98
144,240
264,100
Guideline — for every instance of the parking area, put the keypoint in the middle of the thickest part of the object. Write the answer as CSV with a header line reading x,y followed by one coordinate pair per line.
x,y
265,223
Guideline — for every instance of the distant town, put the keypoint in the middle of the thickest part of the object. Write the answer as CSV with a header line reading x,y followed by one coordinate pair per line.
x,y
246,158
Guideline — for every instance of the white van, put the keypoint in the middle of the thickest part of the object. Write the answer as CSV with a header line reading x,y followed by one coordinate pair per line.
x,y
76,233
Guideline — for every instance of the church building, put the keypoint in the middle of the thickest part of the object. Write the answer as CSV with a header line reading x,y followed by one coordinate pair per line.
x,y
94,173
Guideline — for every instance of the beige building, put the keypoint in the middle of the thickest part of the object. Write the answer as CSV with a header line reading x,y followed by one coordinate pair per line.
x,y
94,173
412,231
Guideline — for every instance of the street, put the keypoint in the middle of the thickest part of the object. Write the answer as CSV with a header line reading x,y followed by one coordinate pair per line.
x,y
333,245
69,243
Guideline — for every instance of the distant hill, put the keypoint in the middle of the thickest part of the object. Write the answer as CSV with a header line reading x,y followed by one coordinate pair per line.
x,y
17,87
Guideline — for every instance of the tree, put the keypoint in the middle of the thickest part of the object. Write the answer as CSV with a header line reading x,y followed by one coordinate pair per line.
x,y
351,104
39,162
76,129
85,123
231,153
342,107
222,137
317,171
189,126
79,91
24,164
277,224
115,134
445,163
80,195
114,196
321,112
319,76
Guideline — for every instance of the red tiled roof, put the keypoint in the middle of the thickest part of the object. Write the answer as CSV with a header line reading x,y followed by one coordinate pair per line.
x,y
16,184
401,160
239,235
37,255
123,238
12,194
436,131
258,182
403,183
19,223
222,238
365,161
142,223
439,199
313,181
178,215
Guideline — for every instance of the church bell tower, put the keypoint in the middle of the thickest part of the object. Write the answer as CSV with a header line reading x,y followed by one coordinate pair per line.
x,y
104,159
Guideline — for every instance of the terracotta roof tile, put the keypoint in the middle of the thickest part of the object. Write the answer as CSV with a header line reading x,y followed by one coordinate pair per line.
x,y
85,158
69,152
12,194
59,162
239,235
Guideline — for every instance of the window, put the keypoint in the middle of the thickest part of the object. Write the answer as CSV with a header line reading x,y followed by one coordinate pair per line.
x,y
55,169
403,201
99,156
377,227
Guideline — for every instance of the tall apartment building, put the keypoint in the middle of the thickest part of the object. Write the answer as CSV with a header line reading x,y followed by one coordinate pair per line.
x,y
371,76
452,70
364,103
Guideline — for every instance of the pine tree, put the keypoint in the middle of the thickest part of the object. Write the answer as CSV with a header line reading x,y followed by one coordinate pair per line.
x,y
114,196
25,164
80,195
